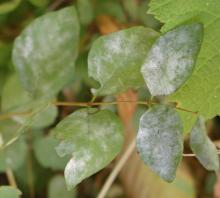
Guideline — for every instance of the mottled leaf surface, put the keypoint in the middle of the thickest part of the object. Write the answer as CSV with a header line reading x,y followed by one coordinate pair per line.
x,y
44,149
171,59
44,53
115,59
9,192
203,147
202,91
160,140
93,138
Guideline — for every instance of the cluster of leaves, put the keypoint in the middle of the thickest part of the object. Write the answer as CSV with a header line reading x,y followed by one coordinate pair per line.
x,y
173,65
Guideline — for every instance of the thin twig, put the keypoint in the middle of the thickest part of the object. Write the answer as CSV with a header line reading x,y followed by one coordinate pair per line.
x,y
9,115
193,155
11,178
111,178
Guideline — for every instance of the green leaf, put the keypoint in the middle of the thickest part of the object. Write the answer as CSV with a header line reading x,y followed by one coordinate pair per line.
x,y
203,147
171,59
85,11
201,92
15,154
9,6
160,140
44,149
9,192
114,57
57,188
15,99
93,138
45,52
39,3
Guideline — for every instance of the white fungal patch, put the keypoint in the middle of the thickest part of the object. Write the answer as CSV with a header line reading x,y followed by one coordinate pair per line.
x,y
159,140
171,59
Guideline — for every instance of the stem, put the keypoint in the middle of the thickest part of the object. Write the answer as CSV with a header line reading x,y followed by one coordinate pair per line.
x,y
193,155
11,178
9,115
111,178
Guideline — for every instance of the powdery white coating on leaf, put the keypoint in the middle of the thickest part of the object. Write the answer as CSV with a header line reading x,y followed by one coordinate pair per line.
x,y
115,59
203,147
160,140
44,53
171,59
92,137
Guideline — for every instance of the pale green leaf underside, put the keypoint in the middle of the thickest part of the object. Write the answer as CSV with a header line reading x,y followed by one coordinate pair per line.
x,y
202,91
160,140
44,53
44,149
171,59
93,138
9,192
115,59
203,147
16,99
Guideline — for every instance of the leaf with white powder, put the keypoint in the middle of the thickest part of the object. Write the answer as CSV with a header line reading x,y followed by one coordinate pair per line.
x,y
93,138
115,59
160,140
44,53
171,59
203,147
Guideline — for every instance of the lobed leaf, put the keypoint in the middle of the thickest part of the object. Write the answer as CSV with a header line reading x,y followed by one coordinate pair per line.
x,y
93,138
115,59
160,140
203,147
201,93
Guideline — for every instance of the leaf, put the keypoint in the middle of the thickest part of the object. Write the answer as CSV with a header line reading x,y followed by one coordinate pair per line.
x,y
6,7
85,11
203,147
9,192
14,155
160,140
114,57
44,149
171,59
57,188
15,99
201,92
45,52
39,3
93,138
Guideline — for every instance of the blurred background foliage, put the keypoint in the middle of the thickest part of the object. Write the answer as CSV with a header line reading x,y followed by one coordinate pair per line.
x,y
37,168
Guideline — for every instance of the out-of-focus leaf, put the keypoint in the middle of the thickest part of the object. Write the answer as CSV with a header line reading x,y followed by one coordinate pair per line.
x,y
116,10
93,138
15,154
131,6
85,11
203,147
160,140
9,6
114,57
15,99
171,59
44,53
39,3
57,188
9,192
46,155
